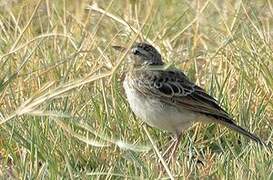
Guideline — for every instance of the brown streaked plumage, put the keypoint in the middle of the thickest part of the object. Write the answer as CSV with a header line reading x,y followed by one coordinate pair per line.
x,y
167,99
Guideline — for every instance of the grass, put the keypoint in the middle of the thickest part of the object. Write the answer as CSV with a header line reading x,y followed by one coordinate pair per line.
x,y
63,114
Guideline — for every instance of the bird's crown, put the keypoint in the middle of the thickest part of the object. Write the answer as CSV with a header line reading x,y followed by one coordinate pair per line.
x,y
145,54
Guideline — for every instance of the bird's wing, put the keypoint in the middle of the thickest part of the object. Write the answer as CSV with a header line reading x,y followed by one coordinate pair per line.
x,y
173,87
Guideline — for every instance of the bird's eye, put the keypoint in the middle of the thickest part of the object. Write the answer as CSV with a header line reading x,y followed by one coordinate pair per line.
x,y
135,51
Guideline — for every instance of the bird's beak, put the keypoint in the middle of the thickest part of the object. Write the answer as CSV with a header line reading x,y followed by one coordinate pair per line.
x,y
119,48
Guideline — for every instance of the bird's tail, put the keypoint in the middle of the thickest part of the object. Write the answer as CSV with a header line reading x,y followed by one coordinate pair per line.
x,y
230,124
246,133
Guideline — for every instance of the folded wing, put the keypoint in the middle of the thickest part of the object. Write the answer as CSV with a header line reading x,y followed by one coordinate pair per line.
x,y
174,88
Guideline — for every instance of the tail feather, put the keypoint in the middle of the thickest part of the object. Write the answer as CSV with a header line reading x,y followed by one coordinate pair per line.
x,y
246,133
230,124
252,136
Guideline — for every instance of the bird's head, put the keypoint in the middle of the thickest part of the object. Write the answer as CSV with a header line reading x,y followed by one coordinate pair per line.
x,y
142,54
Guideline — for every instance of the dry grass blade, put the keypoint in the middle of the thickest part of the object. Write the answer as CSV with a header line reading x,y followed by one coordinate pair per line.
x,y
119,20
84,139
158,154
43,36
190,24
25,28
32,103
120,143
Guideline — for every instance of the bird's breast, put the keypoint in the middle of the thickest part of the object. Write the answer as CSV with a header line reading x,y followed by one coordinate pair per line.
x,y
158,114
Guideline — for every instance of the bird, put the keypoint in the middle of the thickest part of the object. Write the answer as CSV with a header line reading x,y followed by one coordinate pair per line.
x,y
165,98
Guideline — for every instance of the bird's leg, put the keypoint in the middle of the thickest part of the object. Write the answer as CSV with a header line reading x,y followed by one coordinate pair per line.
x,y
174,148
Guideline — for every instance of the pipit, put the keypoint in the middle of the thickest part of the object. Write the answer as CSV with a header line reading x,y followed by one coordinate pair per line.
x,y
165,98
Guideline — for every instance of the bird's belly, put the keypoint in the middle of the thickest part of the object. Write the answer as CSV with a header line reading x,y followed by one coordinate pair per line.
x,y
158,114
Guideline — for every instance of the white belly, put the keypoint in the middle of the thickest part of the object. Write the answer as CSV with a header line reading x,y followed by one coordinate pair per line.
x,y
158,114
